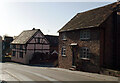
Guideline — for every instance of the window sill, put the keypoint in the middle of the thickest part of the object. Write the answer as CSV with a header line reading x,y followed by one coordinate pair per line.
x,y
64,39
63,55
87,59
84,39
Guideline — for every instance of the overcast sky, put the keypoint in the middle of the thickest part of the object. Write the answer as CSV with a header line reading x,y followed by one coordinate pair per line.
x,y
49,17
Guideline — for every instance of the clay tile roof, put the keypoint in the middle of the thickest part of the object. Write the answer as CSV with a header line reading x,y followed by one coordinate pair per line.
x,y
24,37
88,19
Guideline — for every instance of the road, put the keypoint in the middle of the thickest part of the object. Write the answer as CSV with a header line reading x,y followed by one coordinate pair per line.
x,y
35,74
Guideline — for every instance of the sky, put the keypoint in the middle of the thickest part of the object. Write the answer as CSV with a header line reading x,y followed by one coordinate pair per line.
x,y
48,16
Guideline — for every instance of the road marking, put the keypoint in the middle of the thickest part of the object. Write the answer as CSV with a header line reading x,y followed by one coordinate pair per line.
x,y
43,76
83,74
21,77
12,75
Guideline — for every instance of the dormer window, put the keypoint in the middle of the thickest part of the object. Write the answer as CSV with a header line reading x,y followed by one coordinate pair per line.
x,y
84,34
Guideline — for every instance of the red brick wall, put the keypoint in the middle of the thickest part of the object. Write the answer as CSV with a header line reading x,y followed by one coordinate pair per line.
x,y
104,46
93,44
108,42
54,48
118,41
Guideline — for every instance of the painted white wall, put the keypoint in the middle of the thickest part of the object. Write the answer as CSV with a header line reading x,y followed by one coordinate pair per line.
x,y
29,55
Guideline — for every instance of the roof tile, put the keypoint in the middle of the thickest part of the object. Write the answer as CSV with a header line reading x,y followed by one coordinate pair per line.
x,y
88,19
24,37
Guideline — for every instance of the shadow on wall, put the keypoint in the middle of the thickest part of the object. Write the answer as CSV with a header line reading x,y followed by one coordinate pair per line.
x,y
44,59
89,65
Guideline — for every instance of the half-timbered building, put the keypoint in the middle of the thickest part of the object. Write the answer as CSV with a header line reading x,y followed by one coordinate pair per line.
x,y
28,44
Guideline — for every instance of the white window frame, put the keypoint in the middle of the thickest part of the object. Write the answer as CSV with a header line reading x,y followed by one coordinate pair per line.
x,y
84,34
11,46
63,51
64,36
84,53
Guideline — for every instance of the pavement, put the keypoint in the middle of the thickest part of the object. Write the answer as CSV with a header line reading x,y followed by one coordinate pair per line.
x,y
22,73
91,75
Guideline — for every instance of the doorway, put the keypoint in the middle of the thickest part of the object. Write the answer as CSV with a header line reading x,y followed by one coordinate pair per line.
x,y
73,48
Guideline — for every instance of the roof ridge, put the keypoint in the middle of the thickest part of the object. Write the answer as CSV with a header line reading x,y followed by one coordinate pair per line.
x,y
93,17
51,35
24,36
112,4
31,30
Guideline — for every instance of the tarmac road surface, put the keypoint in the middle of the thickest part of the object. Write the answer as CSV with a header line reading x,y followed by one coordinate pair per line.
x,y
34,74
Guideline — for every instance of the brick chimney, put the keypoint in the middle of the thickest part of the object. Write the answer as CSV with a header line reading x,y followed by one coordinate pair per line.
x,y
33,29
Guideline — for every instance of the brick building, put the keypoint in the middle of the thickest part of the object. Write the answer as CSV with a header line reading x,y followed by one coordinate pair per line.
x,y
90,40
53,41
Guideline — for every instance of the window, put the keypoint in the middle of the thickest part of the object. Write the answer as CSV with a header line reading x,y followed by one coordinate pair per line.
x,y
21,47
14,46
11,46
21,54
13,53
63,36
63,51
84,34
84,53
38,40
